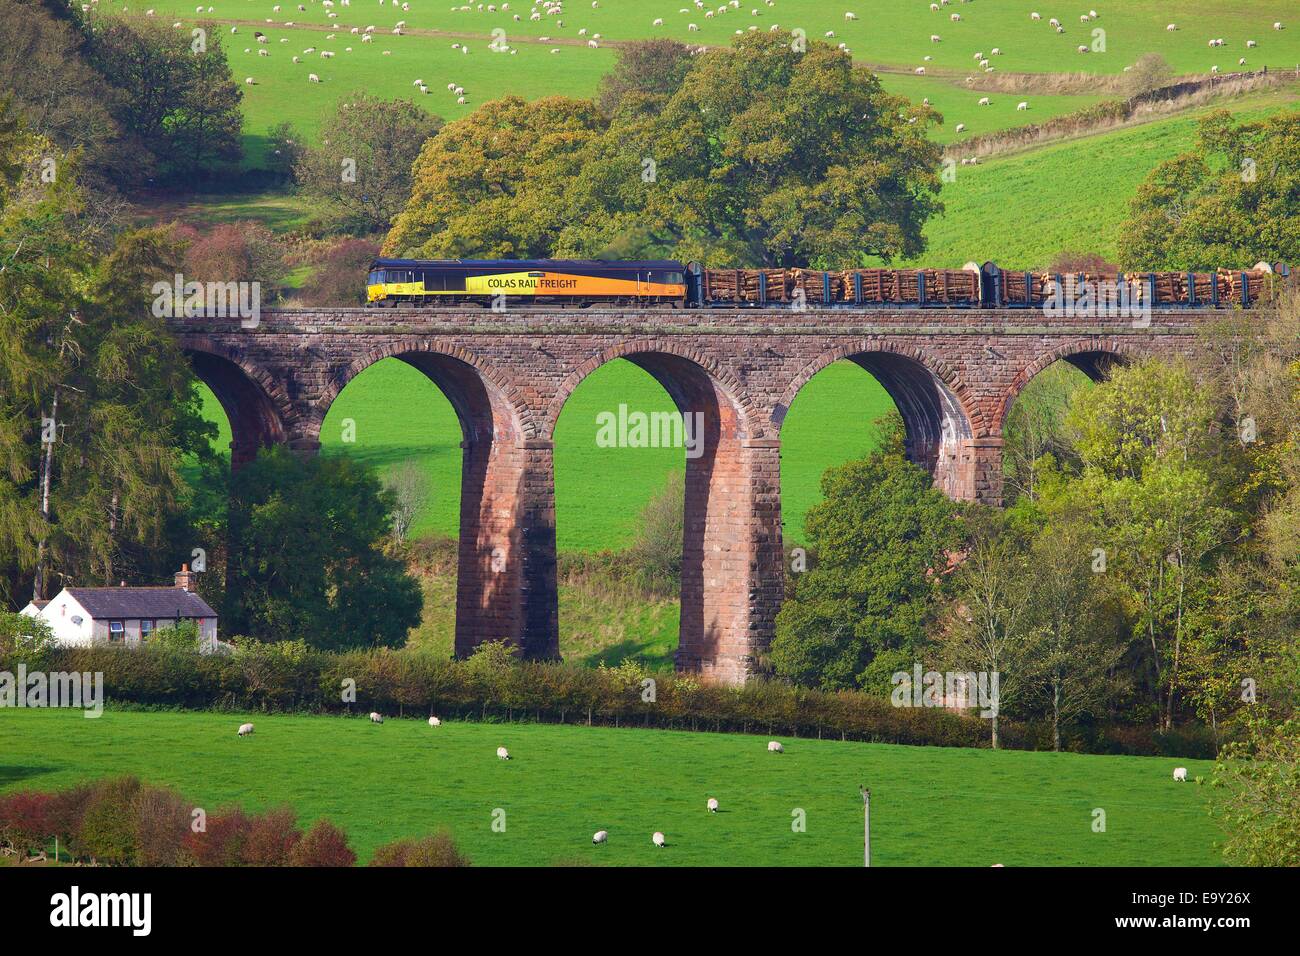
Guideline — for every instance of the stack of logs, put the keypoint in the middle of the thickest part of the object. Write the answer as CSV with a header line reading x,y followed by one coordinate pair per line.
x,y
878,285
1170,287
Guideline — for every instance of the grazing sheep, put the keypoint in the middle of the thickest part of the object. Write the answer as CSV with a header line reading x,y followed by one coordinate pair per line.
x,y
713,805
658,840
961,128
1035,16
1241,62
600,836
1054,22
935,38
245,729
955,17
919,69
376,718
985,101
774,747
1277,26
248,81
934,7
1172,27
435,722
1251,43
503,754
1180,774
850,16
1022,106
1082,48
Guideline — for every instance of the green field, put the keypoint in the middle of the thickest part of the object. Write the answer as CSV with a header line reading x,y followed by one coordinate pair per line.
x,y
547,58
930,805
1021,209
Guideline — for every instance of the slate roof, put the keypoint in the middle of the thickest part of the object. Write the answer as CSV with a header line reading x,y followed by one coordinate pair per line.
x,y
157,603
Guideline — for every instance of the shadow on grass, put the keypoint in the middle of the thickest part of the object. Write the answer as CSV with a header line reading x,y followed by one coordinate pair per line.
x,y
11,775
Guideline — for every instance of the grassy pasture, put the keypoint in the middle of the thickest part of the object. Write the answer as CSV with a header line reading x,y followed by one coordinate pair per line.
x,y
930,805
545,58
1020,209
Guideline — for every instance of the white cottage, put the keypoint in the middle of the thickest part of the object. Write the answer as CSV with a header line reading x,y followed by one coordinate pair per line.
x,y
125,616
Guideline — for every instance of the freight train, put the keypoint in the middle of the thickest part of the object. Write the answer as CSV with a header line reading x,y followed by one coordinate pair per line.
x,y
585,283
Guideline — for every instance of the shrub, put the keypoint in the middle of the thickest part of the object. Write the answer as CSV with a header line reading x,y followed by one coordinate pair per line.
x,y
108,827
67,808
437,850
272,838
162,820
323,845
221,842
26,820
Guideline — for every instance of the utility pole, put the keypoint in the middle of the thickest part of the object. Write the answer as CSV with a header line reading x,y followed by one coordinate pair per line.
x,y
866,826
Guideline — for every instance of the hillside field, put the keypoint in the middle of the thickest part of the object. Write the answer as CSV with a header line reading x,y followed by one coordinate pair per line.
x,y
545,57
930,805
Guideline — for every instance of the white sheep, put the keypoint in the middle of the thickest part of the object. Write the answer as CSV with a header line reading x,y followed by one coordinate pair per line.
x,y
1172,27
248,81
1082,48
312,77
1022,106
658,840
1180,774
1251,43
935,38
435,722
774,747
1277,25
376,718
503,754
850,16
961,128
245,729
600,836
919,69
985,101
712,805
955,17
1035,16
1054,22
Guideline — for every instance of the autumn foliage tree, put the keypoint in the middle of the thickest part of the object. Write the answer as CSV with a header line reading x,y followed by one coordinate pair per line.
x,y
761,153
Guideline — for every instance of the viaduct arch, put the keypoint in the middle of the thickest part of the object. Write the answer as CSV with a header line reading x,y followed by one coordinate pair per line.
x,y
952,375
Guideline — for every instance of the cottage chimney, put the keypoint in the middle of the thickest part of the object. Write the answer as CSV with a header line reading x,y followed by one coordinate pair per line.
x,y
185,578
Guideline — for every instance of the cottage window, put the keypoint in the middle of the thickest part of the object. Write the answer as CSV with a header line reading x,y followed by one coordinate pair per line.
x,y
146,629
116,631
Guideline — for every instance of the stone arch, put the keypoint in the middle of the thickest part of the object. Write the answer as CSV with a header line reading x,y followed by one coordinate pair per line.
x,y
941,421
729,385
1094,356
410,350
256,405
731,541
506,574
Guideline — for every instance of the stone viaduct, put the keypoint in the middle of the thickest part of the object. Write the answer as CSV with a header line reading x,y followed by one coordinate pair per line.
x,y
953,375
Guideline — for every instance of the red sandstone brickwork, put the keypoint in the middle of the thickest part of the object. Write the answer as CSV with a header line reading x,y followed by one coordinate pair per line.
x,y
952,374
